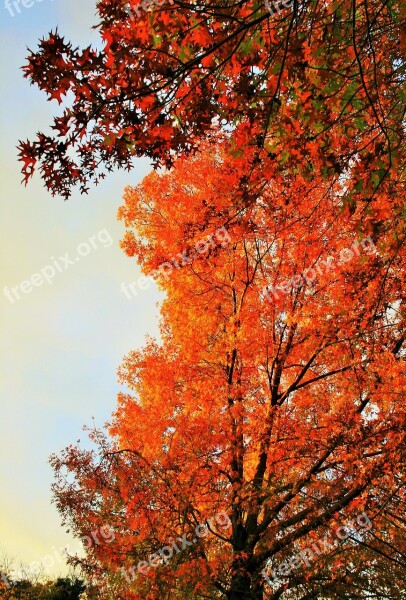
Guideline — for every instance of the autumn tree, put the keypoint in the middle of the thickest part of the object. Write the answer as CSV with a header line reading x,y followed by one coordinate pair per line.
x,y
317,86
274,396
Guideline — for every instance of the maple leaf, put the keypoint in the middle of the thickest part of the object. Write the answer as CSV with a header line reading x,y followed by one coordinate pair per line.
x,y
307,78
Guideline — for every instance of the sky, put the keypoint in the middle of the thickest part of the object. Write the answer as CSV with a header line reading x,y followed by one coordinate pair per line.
x,y
61,342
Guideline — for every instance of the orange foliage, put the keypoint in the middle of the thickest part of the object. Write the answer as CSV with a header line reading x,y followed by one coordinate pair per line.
x,y
281,406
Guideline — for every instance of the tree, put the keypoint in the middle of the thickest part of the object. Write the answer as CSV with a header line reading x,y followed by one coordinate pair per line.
x,y
23,588
66,589
273,396
315,85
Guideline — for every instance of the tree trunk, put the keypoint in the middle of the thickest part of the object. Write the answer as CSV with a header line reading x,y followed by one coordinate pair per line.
x,y
243,587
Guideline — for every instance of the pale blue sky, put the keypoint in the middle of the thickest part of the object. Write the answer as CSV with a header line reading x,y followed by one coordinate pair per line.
x,y
61,344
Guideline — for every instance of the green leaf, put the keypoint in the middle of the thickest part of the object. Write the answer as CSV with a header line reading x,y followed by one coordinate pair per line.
x,y
349,92
359,185
246,46
284,157
360,123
